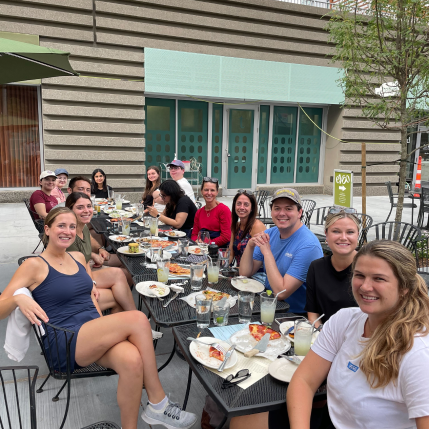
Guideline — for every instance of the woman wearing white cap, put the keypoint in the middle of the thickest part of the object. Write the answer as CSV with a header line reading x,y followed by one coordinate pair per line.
x,y
42,201
62,176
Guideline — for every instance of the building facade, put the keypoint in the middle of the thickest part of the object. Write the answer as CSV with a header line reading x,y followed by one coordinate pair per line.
x,y
243,86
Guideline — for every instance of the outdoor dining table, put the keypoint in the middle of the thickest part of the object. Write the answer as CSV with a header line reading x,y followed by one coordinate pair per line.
x,y
267,394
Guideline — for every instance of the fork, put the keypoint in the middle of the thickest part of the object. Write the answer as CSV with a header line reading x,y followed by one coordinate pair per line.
x,y
155,296
215,345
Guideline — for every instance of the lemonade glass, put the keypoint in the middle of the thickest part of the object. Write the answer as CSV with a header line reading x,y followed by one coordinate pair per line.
x,y
163,269
213,271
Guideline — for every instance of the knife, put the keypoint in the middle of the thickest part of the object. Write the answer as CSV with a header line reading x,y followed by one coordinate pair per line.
x,y
260,347
174,296
227,356
292,359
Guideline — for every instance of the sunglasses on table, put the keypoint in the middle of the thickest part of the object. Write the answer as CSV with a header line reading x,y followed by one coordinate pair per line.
x,y
336,210
244,191
210,179
232,380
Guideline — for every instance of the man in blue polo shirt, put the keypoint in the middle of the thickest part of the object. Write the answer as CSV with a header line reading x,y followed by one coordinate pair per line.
x,y
285,251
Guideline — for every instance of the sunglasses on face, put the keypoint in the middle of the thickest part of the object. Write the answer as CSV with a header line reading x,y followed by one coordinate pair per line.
x,y
210,179
336,210
232,380
243,191
162,195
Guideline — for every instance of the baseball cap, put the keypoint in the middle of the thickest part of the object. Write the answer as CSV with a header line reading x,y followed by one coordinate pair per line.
x,y
47,173
177,163
290,193
61,171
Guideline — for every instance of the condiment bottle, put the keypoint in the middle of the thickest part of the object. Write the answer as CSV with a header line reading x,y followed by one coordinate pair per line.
x,y
213,250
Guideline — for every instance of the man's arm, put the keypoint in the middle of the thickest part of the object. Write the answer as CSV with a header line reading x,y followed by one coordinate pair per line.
x,y
248,265
40,209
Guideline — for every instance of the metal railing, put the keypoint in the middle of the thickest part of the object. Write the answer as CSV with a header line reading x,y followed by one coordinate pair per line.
x,y
361,5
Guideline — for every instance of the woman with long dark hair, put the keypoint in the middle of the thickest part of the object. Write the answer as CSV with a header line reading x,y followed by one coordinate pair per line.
x,y
151,195
244,224
179,210
99,186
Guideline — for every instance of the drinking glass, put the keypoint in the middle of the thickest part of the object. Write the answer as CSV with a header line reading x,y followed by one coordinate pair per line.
x,y
203,240
144,244
147,221
213,271
140,211
245,306
126,227
110,195
268,308
93,199
224,258
303,333
155,253
183,246
220,313
203,306
196,276
163,268
119,202
153,225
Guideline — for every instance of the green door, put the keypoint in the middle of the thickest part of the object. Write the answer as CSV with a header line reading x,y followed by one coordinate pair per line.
x,y
240,149
217,141
264,125
193,131
160,131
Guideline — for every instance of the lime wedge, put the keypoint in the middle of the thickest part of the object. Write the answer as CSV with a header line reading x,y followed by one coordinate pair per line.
x,y
219,320
269,292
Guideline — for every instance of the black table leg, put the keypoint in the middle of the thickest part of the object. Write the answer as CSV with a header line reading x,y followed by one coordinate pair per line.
x,y
188,388
169,358
220,426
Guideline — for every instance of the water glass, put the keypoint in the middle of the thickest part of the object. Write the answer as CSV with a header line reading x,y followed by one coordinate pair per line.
x,y
196,276
144,244
126,227
153,225
245,306
268,308
110,195
303,333
140,210
155,253
119,202
213,271
203,240
147,219
163,269
224,258
203,305
220,313
93,199
183,247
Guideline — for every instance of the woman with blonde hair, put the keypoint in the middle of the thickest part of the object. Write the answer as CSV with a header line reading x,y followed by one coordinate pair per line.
x,y
376,357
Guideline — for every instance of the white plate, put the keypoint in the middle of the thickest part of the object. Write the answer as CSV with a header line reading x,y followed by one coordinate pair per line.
x,y
124,251
200,352
192,249
118,213
286,325
115,238
125,202
144,289
99,200
131,209
245,342
177,234
282,369
251,285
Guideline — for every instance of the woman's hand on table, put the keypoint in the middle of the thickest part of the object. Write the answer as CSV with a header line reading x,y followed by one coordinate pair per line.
x,y
30,309
152,211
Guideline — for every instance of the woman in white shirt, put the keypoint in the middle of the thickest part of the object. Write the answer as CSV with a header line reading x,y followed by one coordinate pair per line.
x,y
376,357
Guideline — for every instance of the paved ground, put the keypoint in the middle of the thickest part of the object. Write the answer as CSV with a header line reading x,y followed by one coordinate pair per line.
x,y
95,399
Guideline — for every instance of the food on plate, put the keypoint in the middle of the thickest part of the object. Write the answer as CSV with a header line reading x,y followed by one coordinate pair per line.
x,y
215,353
157,289
122,238
215,295
133,248
292,334
258,331
117,220
177,269
156,243
198,250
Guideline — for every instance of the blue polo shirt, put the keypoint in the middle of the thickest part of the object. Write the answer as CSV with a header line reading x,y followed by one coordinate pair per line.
x,y
293,256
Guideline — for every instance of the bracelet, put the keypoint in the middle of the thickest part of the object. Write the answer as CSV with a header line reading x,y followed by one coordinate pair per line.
x,y
95,283
102,247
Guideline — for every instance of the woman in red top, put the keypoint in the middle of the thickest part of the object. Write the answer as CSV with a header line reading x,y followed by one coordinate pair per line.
x,y
214,217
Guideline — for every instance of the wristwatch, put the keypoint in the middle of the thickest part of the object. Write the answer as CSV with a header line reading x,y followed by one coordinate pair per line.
x,y
95,283
102,247
158,216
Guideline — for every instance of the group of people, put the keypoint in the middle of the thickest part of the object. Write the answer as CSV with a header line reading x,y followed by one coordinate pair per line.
x,y
373,347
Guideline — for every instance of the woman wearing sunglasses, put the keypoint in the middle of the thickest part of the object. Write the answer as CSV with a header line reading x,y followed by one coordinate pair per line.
x,y
328,278
214,217
244,223
179,210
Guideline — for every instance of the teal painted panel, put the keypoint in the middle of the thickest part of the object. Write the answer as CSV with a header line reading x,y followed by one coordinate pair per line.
x,y
160,131
217,141
201,75
264,124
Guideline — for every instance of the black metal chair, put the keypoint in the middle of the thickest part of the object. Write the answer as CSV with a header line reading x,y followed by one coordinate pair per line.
x,y
392,197
424,207
39,224
64,336
102,425
307,211
407,234
261,196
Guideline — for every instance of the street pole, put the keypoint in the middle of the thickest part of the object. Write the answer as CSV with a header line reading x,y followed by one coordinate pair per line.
x,y
363,178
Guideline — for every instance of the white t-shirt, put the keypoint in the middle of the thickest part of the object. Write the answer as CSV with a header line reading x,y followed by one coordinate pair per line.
x,y
187,188
352,402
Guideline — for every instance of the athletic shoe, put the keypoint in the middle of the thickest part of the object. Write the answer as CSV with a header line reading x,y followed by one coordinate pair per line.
x,y
171,416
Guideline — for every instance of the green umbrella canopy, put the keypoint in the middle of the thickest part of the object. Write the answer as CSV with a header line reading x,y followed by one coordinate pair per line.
x,y
21,61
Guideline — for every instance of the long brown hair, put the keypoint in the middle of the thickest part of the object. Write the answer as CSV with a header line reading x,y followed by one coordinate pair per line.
x,y
52,215
150,186
235,224
394,337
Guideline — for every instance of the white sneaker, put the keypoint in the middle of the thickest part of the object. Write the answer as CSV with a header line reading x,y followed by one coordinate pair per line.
x,y
171,416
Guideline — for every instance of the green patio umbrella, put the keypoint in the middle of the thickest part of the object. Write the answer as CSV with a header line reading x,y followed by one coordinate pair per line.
x,y
23,61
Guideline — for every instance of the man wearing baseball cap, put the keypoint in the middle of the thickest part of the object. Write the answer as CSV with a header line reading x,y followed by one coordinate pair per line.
x,y
285,251
62,176
177,171
42,201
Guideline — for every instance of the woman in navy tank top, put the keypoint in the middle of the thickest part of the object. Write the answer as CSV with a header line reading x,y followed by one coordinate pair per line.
x,y
64,295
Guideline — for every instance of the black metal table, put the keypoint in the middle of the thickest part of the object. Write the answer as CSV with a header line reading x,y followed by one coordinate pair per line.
x,y
265,395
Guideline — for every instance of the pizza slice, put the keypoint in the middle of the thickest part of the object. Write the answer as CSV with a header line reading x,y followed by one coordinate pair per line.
x,y
215,295
215,353
258,331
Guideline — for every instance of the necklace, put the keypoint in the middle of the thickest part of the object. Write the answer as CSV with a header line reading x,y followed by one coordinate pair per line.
x,y
209,210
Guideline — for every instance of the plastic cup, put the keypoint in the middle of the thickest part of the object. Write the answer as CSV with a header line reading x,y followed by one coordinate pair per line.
x,y
220,313
245,306
303,334
203,307
268,308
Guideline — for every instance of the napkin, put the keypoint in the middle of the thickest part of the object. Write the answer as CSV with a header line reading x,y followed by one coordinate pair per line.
x,y
175,288
153,266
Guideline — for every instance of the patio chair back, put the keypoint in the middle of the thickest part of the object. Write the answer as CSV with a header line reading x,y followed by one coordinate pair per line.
x,y
261,196
390,193
319,215
14,397
307,210
38,223
408,234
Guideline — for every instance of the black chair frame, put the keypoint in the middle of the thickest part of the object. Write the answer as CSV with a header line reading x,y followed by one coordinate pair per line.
x,y
261,196
307,211
392,197
424,207
39,224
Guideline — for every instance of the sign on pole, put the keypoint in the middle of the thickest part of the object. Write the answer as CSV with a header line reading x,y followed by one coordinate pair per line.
x,y
343,188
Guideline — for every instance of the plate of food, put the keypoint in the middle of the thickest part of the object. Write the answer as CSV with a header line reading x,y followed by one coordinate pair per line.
x,y
131,209
152,289
120,238
247,285
195,250
118,213
283,369
209,356
101,201
215,295
131,250
174,234
287,325
117,219
159,243
179,271
247,338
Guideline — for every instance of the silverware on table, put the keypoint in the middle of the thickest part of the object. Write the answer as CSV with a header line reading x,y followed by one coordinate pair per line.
x,y
227,356
168,302
215,344
292,359
156,296
260,347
